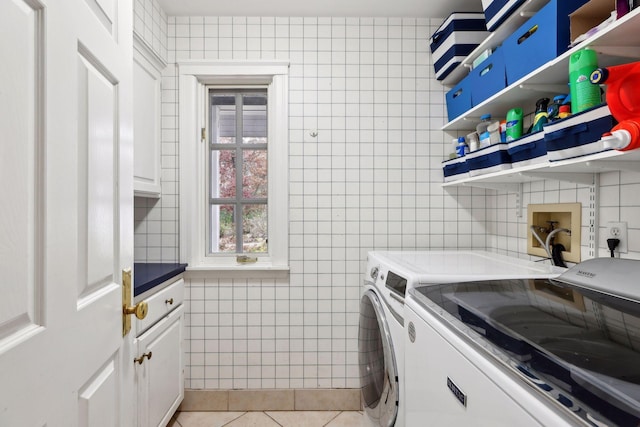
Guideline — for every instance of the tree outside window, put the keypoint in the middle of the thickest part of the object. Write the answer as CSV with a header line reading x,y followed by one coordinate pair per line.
x,y
238,171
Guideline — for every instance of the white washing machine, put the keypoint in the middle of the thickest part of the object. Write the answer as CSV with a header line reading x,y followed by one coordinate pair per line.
x,y
526,351
381,333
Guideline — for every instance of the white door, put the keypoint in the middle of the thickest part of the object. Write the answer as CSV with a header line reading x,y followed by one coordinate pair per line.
x,y
66,229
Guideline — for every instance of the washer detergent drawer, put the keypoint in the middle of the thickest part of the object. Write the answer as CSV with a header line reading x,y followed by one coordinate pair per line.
x,y
450,384
161,304
378,369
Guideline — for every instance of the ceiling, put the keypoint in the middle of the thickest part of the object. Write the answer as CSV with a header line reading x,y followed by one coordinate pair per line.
x,y
362,8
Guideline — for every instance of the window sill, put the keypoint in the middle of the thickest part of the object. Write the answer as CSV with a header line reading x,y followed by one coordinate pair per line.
x,y
246,271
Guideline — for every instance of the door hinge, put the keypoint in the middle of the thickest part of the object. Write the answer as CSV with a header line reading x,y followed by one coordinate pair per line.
x,y
203,134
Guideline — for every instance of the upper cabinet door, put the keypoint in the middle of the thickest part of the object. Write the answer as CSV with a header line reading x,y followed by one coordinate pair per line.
x,y
147,70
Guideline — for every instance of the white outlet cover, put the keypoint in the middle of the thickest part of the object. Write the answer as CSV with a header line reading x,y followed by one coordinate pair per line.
x,y
618,230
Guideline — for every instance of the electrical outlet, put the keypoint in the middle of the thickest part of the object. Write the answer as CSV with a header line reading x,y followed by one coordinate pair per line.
x,y
618,230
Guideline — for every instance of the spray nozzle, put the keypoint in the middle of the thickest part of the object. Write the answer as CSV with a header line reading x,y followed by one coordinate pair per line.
x,y
541,104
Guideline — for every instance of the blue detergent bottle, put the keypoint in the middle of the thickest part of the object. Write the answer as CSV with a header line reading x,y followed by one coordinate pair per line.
x,y
462,148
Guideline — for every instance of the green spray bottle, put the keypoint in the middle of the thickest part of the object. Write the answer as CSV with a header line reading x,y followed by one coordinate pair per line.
x,y
514,124
584,94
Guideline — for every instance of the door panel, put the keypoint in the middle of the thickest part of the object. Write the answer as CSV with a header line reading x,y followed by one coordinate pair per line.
x,y
66,227
20,169
98,398
96,145
105,12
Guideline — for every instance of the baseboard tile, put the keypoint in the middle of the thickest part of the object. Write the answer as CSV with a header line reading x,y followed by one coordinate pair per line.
x,y
272,400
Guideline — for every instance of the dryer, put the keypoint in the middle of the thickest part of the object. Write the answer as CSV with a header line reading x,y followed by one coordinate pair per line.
x,y
388,276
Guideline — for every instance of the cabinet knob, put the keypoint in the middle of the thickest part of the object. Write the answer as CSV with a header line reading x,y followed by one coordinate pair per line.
x,y
140,310
169,301
140,359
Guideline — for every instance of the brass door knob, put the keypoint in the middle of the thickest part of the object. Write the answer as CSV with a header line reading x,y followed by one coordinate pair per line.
x,y
140,359
140,310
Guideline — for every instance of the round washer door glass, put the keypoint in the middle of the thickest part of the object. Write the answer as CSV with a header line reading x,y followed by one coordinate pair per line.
x,y
378,371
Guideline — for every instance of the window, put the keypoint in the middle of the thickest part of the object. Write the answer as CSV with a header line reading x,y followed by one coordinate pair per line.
x,y
238,183
233,121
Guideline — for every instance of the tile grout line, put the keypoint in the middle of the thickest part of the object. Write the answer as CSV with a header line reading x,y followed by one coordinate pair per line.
x,y
236,418
333,419
270,417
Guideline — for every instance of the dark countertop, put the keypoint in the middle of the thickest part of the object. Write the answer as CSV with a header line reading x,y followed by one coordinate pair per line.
x,y
148,275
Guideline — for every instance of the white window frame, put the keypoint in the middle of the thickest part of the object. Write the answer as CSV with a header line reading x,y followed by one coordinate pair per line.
x,y
193,77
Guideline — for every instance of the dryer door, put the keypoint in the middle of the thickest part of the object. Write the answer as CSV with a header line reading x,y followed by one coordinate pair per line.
x,y
378,369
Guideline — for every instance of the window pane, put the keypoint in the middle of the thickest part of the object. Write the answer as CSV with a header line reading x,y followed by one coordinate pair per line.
x,y
223,229
254,119
254,174
223,174
254,228
223,118
238,127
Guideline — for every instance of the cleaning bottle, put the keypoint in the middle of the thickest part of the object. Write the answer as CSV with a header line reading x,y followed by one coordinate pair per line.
x,y
503,131
514,124
494,132
541,115
622,8
623,137
564,111
462,148
623,93
584,94
473,141
554,107
623,99
483,133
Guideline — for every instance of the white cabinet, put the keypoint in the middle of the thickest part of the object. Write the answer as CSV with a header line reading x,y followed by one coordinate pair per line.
x,y
147,69
160,360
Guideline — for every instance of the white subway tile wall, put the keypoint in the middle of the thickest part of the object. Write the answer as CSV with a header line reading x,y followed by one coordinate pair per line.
x,y
150,23
619,200
370,179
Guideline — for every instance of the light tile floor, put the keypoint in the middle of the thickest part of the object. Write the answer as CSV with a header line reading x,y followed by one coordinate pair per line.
x,y
268,419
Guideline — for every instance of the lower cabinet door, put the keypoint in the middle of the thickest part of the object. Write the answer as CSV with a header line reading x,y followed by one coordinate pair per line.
x,y
159,370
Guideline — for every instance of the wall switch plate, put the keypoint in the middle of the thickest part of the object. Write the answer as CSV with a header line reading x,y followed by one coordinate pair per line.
x,y
618,230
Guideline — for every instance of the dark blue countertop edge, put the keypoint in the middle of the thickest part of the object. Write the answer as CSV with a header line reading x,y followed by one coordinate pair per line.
x,y
149,275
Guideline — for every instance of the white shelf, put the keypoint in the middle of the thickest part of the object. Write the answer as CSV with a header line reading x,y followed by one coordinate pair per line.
x,y
495,39
617,44
578,170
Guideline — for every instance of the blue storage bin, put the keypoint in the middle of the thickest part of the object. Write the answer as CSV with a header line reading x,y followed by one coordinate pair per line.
x,y
496,11
542,38
493,158
455,169
578,135
488,78
459,99
529,150
456,38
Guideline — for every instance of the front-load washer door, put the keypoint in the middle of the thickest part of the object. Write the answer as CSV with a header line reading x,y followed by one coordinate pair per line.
x,y
378,369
